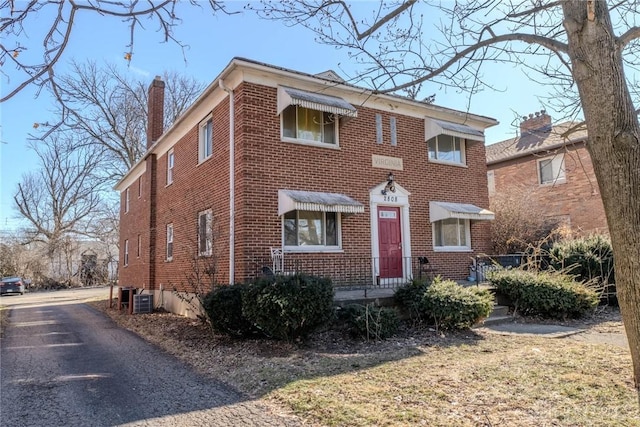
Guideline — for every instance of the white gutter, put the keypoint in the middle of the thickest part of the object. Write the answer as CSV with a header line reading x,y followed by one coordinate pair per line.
x,y
232,182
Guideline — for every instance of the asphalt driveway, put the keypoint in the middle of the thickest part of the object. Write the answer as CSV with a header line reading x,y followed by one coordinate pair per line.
x,y
66,364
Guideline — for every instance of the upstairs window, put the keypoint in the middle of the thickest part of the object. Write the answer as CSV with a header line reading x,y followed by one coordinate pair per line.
x,y
447,149
311,230
126,200
309,125
125,257
169,242
205,233
551,170
205,144
170,164
491,182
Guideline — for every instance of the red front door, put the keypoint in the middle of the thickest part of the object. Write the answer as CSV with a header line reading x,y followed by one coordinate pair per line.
x,y
390,242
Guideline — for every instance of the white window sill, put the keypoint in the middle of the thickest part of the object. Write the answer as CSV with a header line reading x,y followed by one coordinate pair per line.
x,y
201,161
452,249
443,162
312,249
551,184
169,184
310,143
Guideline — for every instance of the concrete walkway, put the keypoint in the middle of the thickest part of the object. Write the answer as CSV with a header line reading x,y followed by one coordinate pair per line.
x,y
556,331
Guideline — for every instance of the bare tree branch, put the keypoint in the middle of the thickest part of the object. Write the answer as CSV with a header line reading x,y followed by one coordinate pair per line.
x,y
627,37
20,20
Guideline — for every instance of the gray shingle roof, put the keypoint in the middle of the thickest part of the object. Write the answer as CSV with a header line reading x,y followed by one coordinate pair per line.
x,y
536,142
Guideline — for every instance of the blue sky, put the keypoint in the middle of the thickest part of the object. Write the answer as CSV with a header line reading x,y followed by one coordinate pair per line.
x,y
213,41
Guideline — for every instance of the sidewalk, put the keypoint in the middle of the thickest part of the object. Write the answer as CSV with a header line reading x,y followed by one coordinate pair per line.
x,y
555,331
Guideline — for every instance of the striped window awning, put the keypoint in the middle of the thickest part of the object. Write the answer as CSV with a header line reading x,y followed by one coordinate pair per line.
x,y
433,127
314,101
292,200
445,210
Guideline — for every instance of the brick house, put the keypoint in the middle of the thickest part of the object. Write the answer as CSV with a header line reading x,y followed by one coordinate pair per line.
x,y
551,165
345,182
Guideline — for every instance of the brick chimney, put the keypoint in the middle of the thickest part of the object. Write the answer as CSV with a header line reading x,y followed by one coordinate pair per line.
x,y
155,120
538,121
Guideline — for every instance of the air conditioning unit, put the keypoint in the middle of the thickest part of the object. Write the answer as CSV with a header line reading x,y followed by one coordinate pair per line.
x,y
142,303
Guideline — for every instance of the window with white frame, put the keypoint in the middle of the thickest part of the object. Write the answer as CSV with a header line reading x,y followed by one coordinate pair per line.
x,y
170,164
205,233
309,230
205,144
139,187
126,253
551,170
304,124
139,248
491,182
447,149
169,242
126,200
452,234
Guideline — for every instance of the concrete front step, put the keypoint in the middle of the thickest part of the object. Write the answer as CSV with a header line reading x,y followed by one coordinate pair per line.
x,y
499,314
500,310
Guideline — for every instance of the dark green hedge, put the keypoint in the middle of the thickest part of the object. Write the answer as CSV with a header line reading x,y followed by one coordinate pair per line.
x,y
452,306
545,294
445,303
223,307
288,307
587,258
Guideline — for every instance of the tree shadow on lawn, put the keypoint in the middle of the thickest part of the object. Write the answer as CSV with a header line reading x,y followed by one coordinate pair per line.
x,y
257,366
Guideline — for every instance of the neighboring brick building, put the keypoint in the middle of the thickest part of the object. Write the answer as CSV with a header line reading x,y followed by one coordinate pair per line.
x,y
551,165
350,184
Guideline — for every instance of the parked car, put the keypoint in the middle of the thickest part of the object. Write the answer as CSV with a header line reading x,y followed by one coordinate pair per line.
x,y
12,285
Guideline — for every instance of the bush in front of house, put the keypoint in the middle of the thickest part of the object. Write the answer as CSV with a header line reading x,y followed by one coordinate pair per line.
x,y
223,307
288,307
370,322
546,294
452,306
587,258
409,298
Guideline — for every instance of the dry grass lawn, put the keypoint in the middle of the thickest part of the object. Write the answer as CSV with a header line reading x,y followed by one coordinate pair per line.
x,y
418,378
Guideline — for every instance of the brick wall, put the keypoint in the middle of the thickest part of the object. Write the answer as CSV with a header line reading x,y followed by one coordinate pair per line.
x,y
268,164
265,164
577,199
136,223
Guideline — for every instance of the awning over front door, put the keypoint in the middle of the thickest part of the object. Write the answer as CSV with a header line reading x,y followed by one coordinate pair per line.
x,y
314,101
445,210
433,127
292,200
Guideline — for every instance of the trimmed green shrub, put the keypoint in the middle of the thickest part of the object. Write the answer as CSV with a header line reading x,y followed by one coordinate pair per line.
x,y
409,297
288,307
370,322
452,306
545,294
223,307
587,258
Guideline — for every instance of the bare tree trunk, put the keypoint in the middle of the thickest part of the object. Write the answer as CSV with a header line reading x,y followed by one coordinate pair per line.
x,y
614,144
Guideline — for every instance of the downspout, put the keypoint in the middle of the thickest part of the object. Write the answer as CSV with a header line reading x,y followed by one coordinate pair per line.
x,y
232,183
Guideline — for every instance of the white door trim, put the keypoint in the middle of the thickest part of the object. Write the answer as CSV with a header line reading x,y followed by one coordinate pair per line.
x,y
399,198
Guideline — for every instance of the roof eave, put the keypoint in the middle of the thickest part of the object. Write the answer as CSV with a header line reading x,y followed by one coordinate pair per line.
x,y
532,152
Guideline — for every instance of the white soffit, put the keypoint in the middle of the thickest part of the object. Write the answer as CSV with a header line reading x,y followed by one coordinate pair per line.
x,y
445,210
433,127
314,101
291,200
